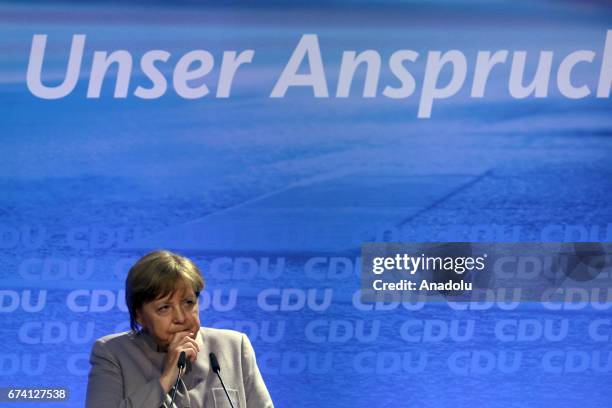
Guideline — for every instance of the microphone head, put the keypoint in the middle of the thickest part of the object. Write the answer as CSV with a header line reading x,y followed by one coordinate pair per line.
x,y
182,360
214,363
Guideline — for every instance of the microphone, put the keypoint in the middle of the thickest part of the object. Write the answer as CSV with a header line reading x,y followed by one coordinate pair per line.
x,y
181,365
214,364
182,360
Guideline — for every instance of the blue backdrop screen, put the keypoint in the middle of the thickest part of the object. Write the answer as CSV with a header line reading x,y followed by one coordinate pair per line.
x,y
268,144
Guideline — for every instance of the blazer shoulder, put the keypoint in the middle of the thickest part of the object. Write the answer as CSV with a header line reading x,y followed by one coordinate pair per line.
x,y
223,336
117,337
115,341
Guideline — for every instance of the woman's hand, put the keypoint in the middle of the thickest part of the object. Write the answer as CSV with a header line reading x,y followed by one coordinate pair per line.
x,y
181,341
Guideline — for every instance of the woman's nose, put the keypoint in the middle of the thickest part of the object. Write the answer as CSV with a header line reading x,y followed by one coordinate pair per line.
x,y
178,315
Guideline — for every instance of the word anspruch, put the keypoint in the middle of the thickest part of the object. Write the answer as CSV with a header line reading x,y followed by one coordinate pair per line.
x,y
191,69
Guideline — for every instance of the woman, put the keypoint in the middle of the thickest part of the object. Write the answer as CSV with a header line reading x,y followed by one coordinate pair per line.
x,y
139,368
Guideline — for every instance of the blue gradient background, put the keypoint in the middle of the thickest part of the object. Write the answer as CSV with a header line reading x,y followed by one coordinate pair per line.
x,y
300,177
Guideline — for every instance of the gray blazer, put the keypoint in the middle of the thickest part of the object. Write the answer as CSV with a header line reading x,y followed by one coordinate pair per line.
x,y
125,371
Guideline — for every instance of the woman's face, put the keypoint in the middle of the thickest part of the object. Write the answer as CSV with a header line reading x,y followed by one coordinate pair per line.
x,y
164,317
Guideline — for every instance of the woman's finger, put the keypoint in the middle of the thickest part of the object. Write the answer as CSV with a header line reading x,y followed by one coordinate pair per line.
x,y
189,340
190,351
178,337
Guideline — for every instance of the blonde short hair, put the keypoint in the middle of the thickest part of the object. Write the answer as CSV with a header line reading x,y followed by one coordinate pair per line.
x,y
156,275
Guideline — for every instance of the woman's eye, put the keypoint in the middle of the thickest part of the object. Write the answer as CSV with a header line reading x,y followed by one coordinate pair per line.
x,y
163,308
